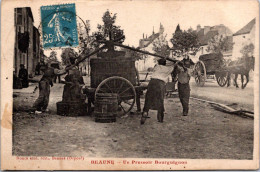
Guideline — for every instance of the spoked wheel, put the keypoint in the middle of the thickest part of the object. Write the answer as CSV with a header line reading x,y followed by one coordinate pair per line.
x,y
221,78
123,88
200,73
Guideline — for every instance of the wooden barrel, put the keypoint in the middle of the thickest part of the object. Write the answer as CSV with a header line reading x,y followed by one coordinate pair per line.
x,y
106,106
72,108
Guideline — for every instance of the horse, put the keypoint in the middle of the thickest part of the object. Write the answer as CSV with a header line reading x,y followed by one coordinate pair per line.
x,y
241,67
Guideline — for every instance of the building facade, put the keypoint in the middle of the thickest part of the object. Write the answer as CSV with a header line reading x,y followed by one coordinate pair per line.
x,y
146,44
209,32
242,37
27,49
36,47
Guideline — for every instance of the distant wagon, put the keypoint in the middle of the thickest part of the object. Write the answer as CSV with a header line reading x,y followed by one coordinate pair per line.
x,y
210,64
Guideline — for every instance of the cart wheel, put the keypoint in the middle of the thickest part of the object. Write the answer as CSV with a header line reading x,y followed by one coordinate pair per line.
x,y
123,88
221,78
200,73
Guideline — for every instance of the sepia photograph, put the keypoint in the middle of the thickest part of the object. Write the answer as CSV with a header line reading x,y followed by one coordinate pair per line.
x,y
129,85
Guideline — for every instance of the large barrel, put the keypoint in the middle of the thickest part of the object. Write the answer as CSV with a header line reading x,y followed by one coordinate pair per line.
x,y
106,106
105,68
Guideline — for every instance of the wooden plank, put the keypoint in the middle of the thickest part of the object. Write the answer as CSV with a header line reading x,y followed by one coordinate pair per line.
x,y
227,109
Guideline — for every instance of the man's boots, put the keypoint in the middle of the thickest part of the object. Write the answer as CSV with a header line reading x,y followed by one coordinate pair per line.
x,y
143,118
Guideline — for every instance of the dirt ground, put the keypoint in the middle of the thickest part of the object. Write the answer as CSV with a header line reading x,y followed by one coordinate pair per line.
x,y
204,134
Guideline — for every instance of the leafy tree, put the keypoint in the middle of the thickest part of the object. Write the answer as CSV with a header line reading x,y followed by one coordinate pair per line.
x,y
184,41
248,50
109,31
66,54
219,44
178,29
161,47
86,40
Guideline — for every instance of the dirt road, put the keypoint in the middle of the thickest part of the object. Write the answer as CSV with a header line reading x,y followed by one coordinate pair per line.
x,y
205,133
226,95
211,91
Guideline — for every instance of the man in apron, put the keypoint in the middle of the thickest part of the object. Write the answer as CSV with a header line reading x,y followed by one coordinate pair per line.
x,y
154,98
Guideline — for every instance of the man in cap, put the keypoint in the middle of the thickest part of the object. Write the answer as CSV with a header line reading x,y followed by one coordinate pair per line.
x,y
73,84
183,70
41,104
23,75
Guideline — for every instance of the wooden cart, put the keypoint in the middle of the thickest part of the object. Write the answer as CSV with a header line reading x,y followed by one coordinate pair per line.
x,y
116,75
210,64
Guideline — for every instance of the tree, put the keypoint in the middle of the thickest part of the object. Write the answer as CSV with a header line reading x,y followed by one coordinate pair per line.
x,y
66,54
86,40
248,50
219,44
161,47
178,29
109,31
184,42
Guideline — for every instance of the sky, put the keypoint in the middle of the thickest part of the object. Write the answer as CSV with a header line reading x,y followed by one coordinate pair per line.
x,y
138,17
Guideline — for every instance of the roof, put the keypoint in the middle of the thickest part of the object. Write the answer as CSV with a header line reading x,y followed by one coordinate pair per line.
x,y
246,29
204,39
149,40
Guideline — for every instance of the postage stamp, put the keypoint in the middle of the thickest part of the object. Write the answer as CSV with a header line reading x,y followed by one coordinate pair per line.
x,y
59,26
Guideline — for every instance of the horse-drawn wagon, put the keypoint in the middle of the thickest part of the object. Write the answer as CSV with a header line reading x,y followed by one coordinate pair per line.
x,y
210,64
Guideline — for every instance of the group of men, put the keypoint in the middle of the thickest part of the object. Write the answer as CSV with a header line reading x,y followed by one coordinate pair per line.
x,y
154,98
72,89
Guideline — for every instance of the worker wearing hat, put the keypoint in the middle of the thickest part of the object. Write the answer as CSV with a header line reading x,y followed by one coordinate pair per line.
x,y
41,103
73,83
183,71
23,75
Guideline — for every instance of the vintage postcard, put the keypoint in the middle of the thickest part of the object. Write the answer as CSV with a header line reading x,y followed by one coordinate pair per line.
x,y
129,85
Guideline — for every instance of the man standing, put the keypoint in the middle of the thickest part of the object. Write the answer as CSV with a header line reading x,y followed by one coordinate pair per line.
x,y
73,84
183,70
41,104
154,98
23,75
